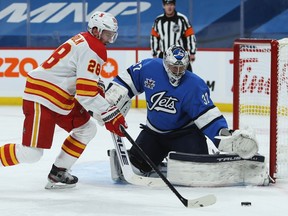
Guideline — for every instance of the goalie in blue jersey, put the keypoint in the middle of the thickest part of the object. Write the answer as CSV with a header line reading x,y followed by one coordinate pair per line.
x,y
180,112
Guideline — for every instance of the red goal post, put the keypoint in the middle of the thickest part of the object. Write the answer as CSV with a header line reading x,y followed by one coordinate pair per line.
x,y
260,97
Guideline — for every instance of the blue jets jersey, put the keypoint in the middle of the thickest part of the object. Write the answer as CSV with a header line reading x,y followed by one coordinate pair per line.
x,y
172,108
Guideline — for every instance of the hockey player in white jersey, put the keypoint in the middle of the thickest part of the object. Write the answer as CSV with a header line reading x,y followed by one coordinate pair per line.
x,y
180,112
59,92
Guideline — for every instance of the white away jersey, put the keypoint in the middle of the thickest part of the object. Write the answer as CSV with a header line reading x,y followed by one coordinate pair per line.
x,y
73,69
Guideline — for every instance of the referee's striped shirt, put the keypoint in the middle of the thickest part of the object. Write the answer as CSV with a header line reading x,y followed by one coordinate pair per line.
x,y
167,31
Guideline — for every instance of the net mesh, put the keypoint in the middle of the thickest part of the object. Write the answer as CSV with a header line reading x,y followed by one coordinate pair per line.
x,y
254,98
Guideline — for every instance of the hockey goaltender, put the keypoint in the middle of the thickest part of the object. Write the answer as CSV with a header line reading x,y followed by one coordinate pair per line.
x,y
181,117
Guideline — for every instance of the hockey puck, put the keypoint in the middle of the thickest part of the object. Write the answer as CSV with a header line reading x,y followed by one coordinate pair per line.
x,y
245,203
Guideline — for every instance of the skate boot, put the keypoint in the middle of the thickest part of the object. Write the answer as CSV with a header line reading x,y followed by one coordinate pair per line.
x,y
60,178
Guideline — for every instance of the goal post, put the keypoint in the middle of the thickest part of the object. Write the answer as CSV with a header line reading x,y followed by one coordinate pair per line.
x,y
260,97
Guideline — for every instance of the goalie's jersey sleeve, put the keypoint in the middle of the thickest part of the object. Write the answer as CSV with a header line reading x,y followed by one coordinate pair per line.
x,y
72,71
170,108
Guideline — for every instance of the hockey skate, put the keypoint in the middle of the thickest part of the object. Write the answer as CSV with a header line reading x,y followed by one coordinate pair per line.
x,y
162,168
60,178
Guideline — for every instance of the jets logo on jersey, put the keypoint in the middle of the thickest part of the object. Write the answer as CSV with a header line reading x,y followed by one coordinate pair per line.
x,y
149,83
160,102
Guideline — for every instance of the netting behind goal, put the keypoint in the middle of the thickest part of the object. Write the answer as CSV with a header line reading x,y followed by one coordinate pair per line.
x,y
260,97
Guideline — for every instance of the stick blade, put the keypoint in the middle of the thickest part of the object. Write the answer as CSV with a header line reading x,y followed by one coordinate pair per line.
x,y
202,201
143,181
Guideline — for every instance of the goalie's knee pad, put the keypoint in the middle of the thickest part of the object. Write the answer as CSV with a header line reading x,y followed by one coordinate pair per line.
x,y
86,132
27,154
138,162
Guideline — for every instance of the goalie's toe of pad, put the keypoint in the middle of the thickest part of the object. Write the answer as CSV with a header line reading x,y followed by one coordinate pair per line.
x,y
116,171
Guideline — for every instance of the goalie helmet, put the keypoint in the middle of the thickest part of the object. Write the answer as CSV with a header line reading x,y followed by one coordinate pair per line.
x,y
104,21
175,62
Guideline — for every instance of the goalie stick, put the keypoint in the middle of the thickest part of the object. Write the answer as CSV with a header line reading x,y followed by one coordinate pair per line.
x,y
195,203
126,167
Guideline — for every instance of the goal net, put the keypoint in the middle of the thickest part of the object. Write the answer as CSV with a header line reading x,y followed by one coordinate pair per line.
x,y
260,97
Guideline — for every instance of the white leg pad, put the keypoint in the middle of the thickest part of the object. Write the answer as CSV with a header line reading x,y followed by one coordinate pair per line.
x,y
116,171
216,170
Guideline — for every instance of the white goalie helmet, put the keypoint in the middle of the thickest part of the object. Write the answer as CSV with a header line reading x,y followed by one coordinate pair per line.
x,y
175,61
104,21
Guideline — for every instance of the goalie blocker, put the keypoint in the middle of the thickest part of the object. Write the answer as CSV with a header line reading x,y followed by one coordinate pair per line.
x,y
216,170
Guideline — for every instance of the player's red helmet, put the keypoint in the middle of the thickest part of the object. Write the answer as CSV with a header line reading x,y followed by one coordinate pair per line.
x,y
104,21
175,61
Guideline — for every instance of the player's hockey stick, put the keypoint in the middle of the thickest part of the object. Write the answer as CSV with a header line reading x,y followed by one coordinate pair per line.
x,y
126,167
195,203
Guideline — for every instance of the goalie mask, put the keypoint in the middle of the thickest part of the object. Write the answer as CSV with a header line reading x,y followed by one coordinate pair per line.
x,y
175,62
104,22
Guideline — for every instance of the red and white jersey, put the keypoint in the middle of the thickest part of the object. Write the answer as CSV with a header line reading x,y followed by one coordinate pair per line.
x,y
71,71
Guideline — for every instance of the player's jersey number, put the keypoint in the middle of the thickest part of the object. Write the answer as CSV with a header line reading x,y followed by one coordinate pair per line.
x,y
57,55
94,67
61,52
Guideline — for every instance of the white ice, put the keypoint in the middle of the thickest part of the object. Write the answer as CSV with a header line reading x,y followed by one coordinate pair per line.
x,y
22,187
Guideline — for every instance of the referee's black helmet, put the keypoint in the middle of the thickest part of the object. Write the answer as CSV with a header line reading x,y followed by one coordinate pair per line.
x,y
169,1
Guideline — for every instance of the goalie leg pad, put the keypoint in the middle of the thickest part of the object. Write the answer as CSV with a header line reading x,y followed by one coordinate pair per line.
x,y
116,171
216,170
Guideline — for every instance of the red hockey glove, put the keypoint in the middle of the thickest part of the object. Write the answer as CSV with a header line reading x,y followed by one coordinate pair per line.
x,y
113,119
101,88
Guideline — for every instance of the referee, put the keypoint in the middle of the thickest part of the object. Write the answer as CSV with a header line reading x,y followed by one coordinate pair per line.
x,y
171,28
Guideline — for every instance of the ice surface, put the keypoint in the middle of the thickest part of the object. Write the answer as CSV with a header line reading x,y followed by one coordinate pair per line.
x,y
22,187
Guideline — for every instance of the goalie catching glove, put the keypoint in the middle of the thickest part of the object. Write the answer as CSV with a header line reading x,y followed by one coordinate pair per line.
x,y
113,118
241,142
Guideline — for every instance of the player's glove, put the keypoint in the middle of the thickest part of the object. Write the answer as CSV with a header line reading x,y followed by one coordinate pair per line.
x,y
113,119
101,87
241,142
